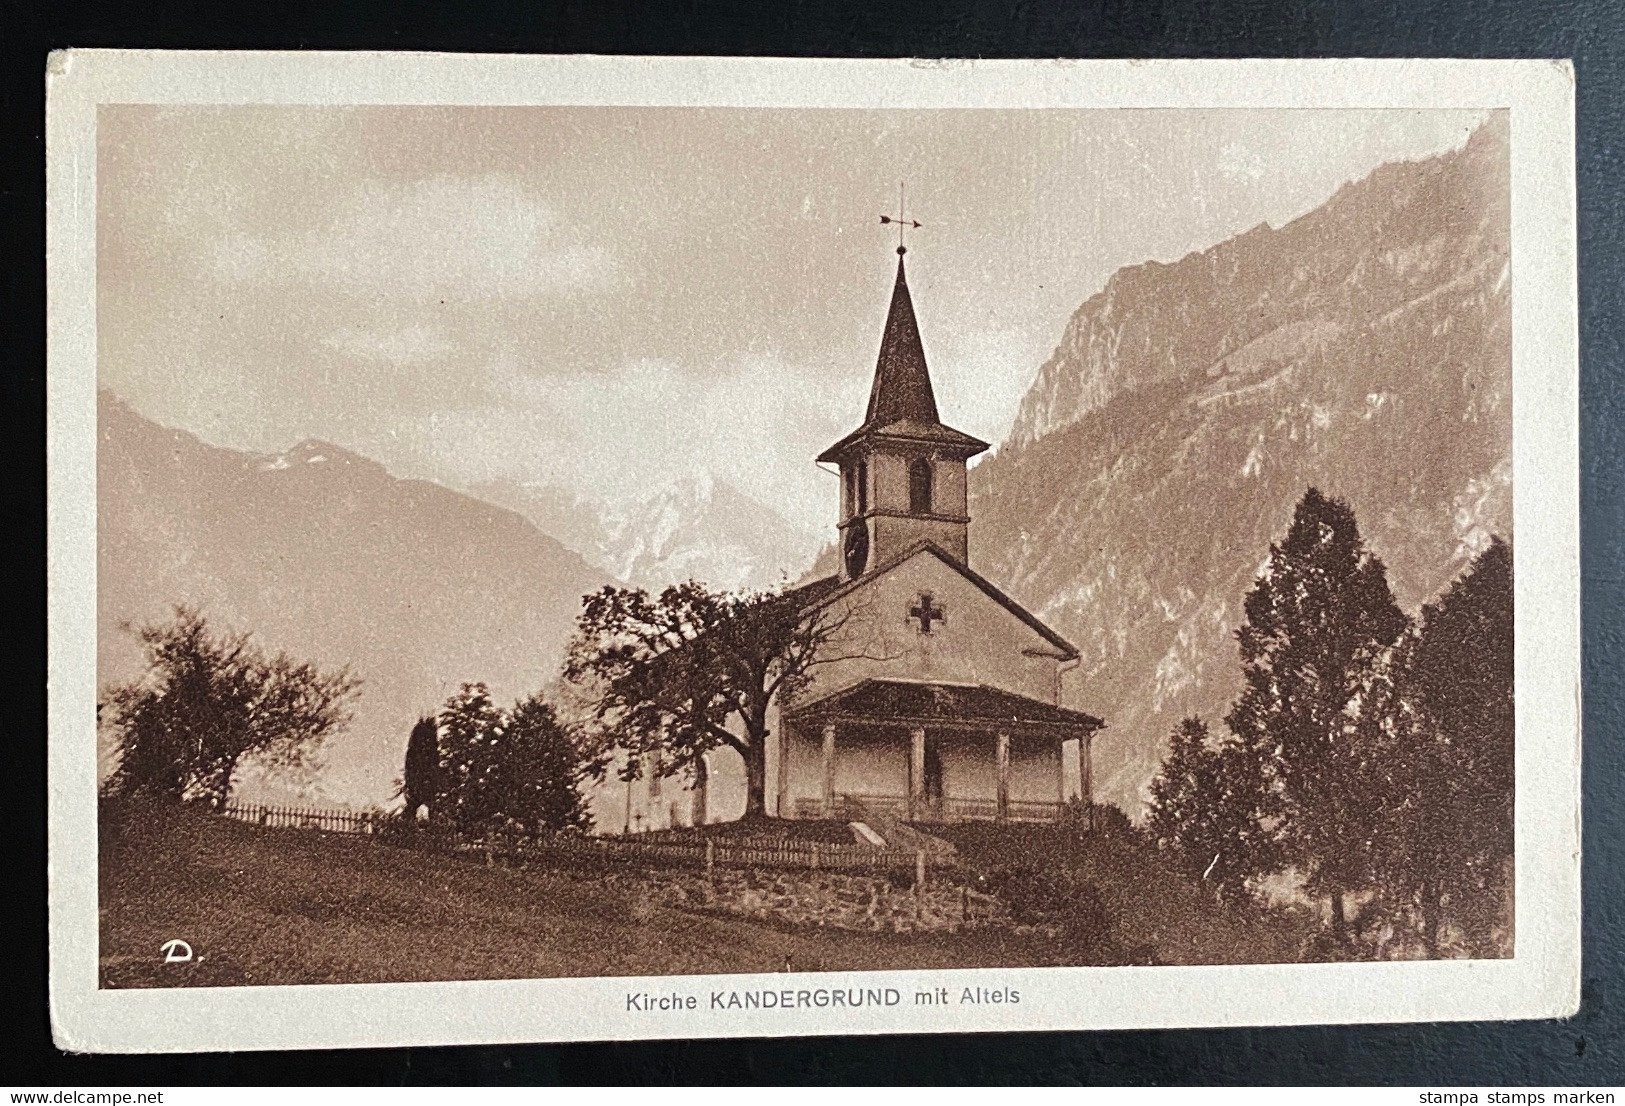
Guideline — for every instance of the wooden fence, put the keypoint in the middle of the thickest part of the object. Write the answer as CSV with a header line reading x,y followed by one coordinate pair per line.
x,y
293,817
933,811
695,851
711,852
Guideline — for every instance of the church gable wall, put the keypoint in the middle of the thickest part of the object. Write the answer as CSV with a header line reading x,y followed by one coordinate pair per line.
x,y
979,642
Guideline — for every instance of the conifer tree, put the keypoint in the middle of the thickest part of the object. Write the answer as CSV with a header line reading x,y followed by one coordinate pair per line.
x,y
1448,819
470,727
540,770
1319,621
421,774
1205,801
509,770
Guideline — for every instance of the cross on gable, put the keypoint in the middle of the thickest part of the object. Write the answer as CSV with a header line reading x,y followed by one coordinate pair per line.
x,y
927,612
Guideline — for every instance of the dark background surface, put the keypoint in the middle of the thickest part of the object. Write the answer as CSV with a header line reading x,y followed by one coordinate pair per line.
x,y
1584,1050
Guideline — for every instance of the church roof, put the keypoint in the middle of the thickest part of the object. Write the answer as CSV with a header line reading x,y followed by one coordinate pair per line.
x,y
901,401
912,701
902,387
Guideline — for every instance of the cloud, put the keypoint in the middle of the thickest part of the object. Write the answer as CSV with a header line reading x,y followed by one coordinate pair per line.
x,y
981,376
754,423
452,238
445,238
410,345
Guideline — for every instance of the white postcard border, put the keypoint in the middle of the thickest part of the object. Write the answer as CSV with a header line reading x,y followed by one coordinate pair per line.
x,y
1542,980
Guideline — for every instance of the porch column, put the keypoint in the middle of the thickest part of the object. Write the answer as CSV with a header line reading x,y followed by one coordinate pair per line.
x,y
1086,775
916,773
1060,770
1003,746
829,769
782,787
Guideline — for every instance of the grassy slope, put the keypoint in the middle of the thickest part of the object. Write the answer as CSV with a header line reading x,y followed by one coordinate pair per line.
x,y
263,906
1148,901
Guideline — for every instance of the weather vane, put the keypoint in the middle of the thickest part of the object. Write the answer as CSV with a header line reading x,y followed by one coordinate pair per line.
x,y
902,222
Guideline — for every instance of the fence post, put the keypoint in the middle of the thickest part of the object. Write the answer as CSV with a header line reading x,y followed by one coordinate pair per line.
x,y
710,855
919,871
815,856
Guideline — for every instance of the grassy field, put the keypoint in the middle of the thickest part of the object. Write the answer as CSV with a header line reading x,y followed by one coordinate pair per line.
x,y
264,906
273,906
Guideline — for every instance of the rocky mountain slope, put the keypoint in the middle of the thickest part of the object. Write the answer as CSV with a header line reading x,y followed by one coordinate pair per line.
x,y
1364,348
325,554
700,527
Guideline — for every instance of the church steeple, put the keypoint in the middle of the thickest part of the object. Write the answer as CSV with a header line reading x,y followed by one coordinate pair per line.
x,y
902,471
902,387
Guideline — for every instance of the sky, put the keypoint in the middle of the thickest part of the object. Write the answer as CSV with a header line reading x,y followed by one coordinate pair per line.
x,y
608,299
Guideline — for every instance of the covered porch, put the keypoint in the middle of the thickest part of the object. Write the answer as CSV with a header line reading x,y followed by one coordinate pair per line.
x,y
927,752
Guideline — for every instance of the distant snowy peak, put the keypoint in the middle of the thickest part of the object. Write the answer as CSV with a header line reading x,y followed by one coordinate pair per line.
x,y
314,452
696,527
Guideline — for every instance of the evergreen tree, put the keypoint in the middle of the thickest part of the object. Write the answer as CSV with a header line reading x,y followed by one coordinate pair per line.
x,y
540,770
1205,802
471,727
518,770
1448,819
1319,621
421,774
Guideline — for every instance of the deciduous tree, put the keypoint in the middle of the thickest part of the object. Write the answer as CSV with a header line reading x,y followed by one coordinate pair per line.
x,y
209,701
689,670
541,771
518,770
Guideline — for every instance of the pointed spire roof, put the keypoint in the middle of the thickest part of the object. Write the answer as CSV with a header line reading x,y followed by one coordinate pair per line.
x,y
902,387
901,401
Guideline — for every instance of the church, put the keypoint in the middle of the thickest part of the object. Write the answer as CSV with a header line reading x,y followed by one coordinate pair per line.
x,y
941,700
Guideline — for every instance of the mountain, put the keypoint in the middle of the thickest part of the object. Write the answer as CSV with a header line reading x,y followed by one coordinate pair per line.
x,y
325,554
699,527
1364,348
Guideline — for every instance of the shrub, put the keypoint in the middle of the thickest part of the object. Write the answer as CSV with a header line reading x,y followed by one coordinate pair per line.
x,y
1061,899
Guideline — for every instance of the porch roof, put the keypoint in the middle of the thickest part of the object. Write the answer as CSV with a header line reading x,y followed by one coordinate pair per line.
x,y
931,704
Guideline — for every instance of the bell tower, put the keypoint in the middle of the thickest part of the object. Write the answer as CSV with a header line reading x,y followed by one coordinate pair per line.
x,y
902,471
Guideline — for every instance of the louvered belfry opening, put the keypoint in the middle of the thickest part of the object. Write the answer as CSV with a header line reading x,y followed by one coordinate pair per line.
x,y
920,482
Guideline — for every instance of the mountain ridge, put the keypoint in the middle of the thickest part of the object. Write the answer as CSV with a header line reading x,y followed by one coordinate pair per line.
x,y
1364,348
322,552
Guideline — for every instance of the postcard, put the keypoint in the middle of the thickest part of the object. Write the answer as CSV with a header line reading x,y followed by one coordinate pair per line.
x,y
582,548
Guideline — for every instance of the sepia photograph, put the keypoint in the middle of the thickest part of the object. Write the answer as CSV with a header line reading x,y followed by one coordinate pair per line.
x,y
635,542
